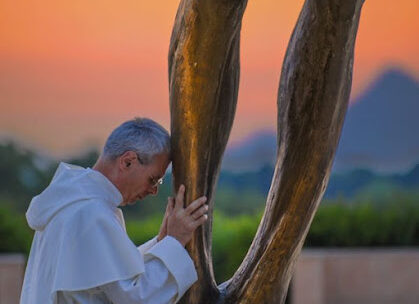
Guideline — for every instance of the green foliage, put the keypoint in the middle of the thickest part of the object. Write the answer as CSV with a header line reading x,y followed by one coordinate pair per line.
x,y
140,231
369,221
232,202
20,176
232,238
15,235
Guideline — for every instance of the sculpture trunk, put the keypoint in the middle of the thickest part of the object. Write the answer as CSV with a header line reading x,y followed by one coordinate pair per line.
x,y
203,78
312,101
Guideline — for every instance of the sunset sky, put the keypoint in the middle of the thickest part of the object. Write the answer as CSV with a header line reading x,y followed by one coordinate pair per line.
x,y
71,71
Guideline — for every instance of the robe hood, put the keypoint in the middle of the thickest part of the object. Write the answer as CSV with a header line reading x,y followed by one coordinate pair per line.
x,y
80,240
70,185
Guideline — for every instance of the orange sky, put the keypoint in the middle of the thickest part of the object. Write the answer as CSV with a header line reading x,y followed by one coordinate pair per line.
x,y
70,71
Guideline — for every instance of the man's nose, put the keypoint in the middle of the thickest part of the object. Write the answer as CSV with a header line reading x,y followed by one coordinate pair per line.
x,y
154,190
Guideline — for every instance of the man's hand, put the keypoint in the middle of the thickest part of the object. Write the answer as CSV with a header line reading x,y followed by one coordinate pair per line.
x,y
163,227
182,222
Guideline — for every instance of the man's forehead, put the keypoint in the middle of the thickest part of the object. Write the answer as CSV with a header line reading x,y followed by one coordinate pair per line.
x,y
160,163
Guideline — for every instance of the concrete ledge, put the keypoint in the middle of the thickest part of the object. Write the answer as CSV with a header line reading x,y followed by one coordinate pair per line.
x,y
12,267
322,276
362,276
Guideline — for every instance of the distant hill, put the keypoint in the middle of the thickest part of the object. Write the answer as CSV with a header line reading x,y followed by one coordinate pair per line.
x,y
256,151
347,184
380,131
381,128
350,183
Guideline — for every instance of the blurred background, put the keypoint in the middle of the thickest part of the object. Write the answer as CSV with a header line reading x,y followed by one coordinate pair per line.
x,y
71,71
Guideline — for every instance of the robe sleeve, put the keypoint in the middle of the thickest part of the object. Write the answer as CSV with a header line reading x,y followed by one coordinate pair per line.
x,y
144,248
169,272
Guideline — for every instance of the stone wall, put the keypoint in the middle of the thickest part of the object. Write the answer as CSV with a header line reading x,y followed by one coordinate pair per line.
x,y
370,276
12,268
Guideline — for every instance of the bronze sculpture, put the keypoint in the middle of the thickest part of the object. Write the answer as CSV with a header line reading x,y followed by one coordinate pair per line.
x,y
312,101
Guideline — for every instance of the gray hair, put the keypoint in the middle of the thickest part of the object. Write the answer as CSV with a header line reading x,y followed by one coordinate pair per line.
x,y
140,135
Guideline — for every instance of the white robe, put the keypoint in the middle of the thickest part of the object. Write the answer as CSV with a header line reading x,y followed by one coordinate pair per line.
x,y
82,254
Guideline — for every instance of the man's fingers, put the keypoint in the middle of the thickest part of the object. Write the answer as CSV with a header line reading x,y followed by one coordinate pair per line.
x,y
200,221
170,204
200,212
195,204
179,197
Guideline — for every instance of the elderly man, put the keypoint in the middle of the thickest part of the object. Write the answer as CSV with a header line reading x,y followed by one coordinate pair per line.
x,y
81,252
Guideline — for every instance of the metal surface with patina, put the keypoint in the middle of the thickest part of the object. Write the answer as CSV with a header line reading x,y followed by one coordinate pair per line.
x,y
312,101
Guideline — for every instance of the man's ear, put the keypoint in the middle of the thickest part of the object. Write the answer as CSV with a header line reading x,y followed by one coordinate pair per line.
x,y
127,159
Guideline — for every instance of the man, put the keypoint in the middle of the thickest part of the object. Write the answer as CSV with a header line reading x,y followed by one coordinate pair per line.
x,y
81,252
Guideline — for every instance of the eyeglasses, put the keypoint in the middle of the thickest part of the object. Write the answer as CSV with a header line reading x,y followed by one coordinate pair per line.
x,y
154,182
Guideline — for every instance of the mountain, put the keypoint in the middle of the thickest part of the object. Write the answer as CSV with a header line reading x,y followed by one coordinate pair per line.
x,y
381,128
380,131
254,152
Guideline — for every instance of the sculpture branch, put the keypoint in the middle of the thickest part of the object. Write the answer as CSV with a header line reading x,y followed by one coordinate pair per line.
x,y
312,101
